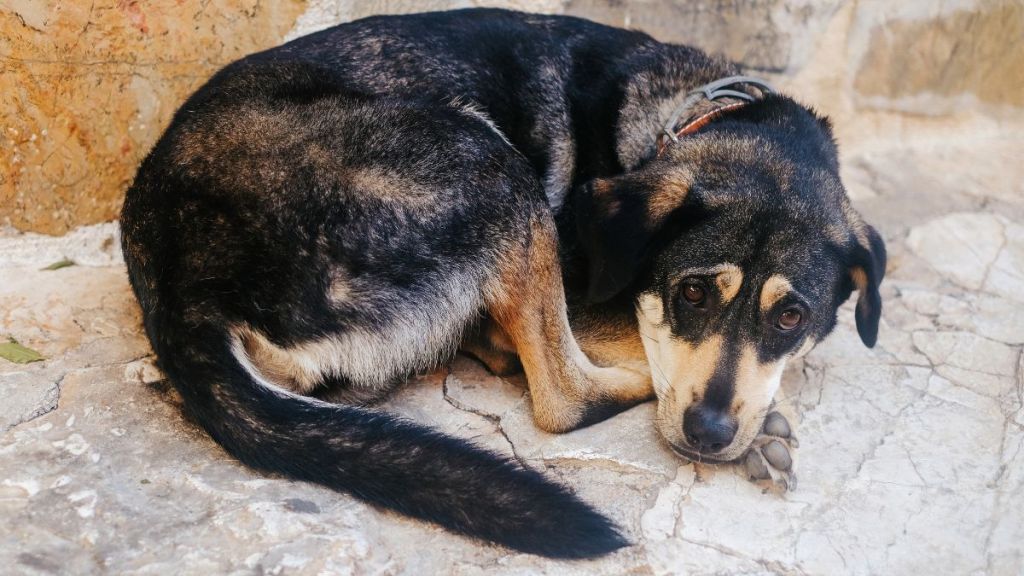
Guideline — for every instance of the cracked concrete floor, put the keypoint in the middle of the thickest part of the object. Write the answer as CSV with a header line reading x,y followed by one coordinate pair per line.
x,y
910,457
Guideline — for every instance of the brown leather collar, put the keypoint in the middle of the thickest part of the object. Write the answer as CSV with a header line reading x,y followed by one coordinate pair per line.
x,y
694,116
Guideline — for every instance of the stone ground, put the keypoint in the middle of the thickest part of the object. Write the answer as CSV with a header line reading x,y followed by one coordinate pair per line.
x,y
910,461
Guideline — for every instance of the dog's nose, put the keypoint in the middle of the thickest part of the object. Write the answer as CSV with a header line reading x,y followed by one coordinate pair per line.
x,y
707,429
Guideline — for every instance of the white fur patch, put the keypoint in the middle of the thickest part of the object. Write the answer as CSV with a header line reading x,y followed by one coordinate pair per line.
x,y
416,336
239,352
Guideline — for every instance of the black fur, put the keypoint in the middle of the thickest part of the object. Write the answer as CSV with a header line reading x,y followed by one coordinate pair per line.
x,y
349,185
377,457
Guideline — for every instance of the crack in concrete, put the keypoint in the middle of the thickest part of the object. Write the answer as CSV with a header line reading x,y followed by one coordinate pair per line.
x,y
889,431
1020,380
42,410
608,462
774,566
496,420
492,418
1001,490
913,464
1002,246
677,512
52,402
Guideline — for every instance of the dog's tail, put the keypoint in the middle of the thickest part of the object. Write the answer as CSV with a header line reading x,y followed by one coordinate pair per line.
x,y
375,456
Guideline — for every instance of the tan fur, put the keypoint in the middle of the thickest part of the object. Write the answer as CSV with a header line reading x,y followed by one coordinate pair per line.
x,y
611,342
387,185
859,277
774,288
626,350
729,281
279,365
491,345
604,195
756,384
498,362
340,289
668,196
692,367
528,302
681,372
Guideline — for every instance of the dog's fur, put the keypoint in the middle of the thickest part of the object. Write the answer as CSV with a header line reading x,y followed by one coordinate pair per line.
x,y
327,218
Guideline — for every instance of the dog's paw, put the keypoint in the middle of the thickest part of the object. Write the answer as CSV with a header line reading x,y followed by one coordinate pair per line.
x,y
770,458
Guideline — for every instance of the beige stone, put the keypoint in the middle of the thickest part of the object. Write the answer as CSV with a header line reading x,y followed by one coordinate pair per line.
x,y
967,351
92,89
770,36
961,246
1006,278
975,52
974,250
88,87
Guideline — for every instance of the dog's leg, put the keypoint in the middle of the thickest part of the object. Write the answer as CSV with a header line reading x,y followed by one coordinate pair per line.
x,y
489,344
528,303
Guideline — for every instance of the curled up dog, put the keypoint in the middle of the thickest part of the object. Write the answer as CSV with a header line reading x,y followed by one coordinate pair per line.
x,y
621,219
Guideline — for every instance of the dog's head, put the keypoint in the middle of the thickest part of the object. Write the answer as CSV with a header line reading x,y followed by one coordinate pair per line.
x,y
739,244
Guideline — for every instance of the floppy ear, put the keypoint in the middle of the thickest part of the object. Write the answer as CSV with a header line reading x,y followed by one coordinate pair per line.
x,y
616,221
866,271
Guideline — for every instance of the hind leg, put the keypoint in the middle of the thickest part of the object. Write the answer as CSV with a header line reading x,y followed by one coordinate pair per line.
x,y
528,303
489,344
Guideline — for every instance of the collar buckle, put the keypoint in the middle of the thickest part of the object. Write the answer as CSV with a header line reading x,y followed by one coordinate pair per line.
x,y
711,91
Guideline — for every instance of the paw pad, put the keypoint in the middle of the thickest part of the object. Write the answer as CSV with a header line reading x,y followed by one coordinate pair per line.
x,y
777,455
775,424
771,454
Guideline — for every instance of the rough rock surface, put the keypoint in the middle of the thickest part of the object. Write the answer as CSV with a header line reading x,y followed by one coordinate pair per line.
x,y
92,84
911,455
88,86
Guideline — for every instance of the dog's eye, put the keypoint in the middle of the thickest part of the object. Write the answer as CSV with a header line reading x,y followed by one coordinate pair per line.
x,y
694,294
789,319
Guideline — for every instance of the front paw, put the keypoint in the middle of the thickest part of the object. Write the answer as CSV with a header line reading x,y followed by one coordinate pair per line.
x,y
770,458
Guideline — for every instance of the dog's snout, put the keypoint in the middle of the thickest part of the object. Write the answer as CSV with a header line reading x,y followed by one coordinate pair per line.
x,y
707,429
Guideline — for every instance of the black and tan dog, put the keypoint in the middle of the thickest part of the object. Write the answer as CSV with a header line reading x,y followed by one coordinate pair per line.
x,y
327,218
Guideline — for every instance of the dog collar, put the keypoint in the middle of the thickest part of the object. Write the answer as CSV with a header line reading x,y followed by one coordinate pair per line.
x,y
720,89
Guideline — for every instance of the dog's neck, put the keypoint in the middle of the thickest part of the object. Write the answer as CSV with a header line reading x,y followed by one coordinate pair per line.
x,y
652,96
709,102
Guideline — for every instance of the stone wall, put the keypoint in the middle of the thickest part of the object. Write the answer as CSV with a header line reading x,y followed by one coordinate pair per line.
x,y
87,87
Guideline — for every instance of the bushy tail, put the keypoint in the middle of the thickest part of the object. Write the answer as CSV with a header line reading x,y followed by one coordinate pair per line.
x,y
376,457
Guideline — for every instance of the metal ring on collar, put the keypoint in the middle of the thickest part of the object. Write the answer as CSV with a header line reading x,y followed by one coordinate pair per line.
x,y
713,91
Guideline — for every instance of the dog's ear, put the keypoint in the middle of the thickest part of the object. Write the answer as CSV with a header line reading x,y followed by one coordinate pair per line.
x,y
616,220
867,268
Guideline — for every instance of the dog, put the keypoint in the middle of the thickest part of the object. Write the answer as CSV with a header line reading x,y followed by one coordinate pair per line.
x,y
620,218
